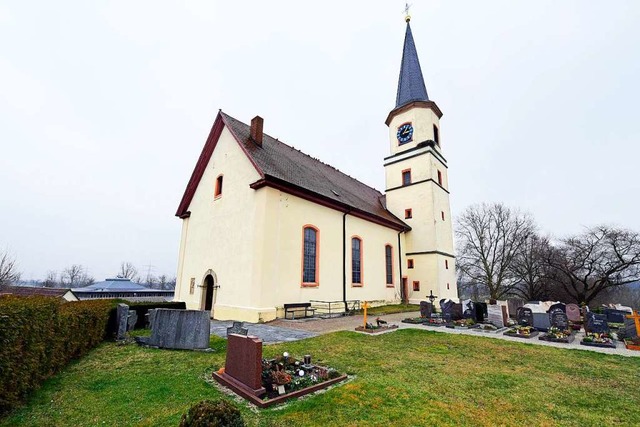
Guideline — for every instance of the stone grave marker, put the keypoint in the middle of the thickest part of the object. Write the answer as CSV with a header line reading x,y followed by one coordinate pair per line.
x,y
122,316
446,305
237,329
558,306
630,330
456,311
425,309
181,329
244,363
514,304
469,310
541,321
573,313
596,323
614,315
481,311
524,316
558,318
497,315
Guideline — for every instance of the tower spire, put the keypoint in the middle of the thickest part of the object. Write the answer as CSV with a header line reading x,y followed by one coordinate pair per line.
x,y
411,83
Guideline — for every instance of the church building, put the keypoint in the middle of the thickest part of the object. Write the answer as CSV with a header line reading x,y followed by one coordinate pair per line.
x,y
264,224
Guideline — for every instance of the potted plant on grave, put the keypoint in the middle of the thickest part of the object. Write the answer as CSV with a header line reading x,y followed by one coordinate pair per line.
x,y
596,339
555,334
520,331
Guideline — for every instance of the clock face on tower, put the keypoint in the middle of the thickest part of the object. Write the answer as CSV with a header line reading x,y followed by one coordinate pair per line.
x,y
405,133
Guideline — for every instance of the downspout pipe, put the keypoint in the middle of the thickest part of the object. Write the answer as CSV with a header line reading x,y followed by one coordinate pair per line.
x,y
344,260
403,297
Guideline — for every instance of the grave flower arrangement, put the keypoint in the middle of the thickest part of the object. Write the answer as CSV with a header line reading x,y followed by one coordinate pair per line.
x,y
557,333
597,338
287,374
520,330
464,323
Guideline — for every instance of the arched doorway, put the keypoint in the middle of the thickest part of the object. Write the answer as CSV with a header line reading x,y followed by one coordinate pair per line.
x,y
208,293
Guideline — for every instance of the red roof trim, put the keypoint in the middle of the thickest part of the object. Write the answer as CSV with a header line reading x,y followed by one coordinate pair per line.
x,y
303,193
203,161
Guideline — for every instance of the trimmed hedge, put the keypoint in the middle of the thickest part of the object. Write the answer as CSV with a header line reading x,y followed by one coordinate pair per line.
x,y
39,336
141,308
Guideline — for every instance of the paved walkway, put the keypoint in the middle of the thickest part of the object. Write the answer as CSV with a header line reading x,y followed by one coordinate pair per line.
x,y
323,326
269,334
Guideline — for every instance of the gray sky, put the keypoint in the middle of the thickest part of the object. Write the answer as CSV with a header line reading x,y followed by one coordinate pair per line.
x,y
105,106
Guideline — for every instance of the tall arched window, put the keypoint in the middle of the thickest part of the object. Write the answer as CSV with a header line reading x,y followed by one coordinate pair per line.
x,y
356,261
388,262
310,256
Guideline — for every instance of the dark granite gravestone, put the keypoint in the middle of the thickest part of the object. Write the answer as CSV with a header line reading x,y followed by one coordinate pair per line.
x,y
426,309
615,316
469,310
541,321
573,313
596,323
122,316
514,304
132,320
456,311
524,316
630,331
481,311
244,363
497,315
558,318
558,306
447,309
183,329
237,329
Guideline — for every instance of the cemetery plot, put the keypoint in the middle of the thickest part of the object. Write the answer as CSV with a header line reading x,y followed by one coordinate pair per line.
x,y
463,324
269,382
595,339
489,328
632,331
556,334
559,329
380,326
426,311
520,331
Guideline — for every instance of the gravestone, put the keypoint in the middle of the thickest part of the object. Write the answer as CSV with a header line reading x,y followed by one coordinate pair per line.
x,y
469,310
497,315
244,363
456,311
446,305
237,329
630,331
481,311
614,315
122,317
514,304
182,329
558,306
573,313
541,321
132,320
524,316
558,318
425,309
596,323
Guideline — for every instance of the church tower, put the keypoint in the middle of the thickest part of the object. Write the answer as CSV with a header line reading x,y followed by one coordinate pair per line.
x,y
417,187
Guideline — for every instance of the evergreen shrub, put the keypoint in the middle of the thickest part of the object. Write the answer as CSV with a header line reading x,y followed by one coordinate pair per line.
x,y
39,336
213,413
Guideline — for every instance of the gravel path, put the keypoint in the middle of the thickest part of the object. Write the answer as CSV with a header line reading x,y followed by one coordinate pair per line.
x,y
323,326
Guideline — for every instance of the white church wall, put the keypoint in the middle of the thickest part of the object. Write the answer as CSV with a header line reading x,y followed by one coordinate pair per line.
x,y
422,120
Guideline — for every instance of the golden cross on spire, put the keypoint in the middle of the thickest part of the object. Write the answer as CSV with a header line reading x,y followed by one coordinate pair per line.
x,y
407,17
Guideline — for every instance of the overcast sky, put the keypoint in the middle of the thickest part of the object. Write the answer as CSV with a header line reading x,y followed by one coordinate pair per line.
x,y
105,106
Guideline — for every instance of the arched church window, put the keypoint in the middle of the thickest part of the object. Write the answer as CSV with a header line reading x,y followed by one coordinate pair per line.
x,y
356,261
388,255
310,256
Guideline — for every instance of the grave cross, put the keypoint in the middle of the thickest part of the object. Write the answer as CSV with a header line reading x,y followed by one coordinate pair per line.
x,y
365,306
636,317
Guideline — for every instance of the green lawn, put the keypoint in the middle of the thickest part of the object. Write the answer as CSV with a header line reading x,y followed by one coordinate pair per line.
x,y
406,378
390,309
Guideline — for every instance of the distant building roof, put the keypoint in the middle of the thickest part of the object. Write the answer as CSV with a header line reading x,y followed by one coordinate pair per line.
x,y
29,290
114,285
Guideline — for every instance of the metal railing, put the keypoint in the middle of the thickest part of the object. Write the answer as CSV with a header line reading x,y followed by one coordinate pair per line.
x,y
326,309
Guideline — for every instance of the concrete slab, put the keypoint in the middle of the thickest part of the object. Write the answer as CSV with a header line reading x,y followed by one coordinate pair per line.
x,y
268,334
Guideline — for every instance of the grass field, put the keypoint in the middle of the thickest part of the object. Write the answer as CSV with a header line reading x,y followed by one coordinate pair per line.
x,y
406,378
390,309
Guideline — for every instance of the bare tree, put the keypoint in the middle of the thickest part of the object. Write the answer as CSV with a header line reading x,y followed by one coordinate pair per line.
x,y
75,276
128,271
8,269
489,236
530,269
602,257
51,281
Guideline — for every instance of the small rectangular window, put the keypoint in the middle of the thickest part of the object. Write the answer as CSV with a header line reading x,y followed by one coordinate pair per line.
x,y
218,191
416,285
436,136
446,264
447,286
406,177
440,178
409,263
407,214
192,285
442,214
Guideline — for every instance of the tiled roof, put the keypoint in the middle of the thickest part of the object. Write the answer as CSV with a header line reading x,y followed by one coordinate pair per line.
x,y
410,83
281,162
28,290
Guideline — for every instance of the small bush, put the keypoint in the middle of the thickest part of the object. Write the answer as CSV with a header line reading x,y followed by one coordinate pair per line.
x,y
209,413
39,336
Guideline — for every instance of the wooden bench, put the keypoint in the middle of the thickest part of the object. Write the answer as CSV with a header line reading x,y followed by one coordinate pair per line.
x,y
299,307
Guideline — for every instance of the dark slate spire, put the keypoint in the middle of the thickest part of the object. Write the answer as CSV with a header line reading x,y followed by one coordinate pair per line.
x,y
410,84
